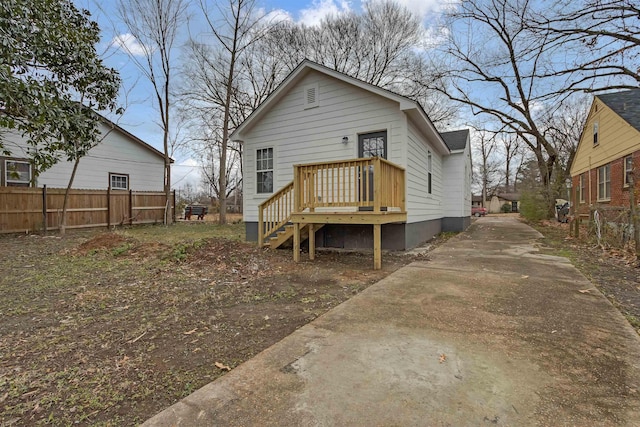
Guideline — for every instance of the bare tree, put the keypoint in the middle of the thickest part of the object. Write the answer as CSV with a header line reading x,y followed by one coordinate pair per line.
x,y
235,26
155,25
511,148
487,169
563,125
380,46
494,69
602,37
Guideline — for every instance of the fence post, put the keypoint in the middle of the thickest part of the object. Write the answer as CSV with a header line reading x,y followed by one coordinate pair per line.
x,y
173,208
130,207
109,207
44,208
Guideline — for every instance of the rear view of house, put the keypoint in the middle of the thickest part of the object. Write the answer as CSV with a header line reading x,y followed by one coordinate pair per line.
x,y
350,165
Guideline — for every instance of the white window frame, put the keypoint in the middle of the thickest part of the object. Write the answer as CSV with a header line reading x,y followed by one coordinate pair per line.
x,y
604,180
429,172
9,181
581,188
119,177
262,168
596,127
626,169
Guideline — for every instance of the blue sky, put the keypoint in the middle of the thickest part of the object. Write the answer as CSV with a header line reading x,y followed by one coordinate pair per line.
x,y
140,117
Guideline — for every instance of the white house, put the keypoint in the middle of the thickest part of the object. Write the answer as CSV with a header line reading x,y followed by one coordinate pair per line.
x,y
334,128
121,161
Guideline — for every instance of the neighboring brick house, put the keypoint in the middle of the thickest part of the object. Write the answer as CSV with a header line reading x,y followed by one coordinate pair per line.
x,y
609,148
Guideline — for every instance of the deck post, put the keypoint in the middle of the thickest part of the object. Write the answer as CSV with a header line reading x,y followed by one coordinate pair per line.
x,y
297,193
260,227
377,247
312,241
377,184
313,197
296,242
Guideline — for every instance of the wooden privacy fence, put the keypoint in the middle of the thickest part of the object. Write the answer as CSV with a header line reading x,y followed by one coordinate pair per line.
x,y
40,209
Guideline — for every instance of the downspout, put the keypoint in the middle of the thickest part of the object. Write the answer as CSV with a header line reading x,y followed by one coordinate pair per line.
x,y
589,181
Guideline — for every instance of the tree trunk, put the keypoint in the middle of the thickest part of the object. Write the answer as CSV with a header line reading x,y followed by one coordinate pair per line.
x,y
167,158
222,190
65,202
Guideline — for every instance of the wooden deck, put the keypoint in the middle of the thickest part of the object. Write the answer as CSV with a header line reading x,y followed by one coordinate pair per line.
x,y
358,191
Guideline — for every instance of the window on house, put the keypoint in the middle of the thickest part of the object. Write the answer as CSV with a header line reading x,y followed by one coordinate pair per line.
x,y
595,133
119,181
17,173
429,169
604,182
582,188
264,170
628,167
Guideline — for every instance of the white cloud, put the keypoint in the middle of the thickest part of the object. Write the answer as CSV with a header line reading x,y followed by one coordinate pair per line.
x,y
276,15
128,43
423,8
321,8
186,172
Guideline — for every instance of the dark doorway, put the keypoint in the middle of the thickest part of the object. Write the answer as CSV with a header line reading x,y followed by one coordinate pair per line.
x,y
371,145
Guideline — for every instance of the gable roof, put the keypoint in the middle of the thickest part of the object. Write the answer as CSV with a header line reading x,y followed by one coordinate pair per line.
x,y
626,104
456,140
412,108
131,136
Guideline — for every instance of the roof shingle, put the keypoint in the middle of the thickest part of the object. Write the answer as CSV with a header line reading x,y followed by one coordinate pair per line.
x,y
626,104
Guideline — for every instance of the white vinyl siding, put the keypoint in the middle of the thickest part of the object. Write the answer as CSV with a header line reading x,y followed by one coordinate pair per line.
x,y
422,206
456,199
116,153
301,135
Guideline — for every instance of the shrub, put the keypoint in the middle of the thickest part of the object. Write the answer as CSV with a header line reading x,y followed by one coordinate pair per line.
x,y
506,208
533,206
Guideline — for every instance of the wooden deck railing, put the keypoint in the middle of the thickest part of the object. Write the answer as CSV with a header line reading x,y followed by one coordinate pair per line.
x,y
358,183
275,212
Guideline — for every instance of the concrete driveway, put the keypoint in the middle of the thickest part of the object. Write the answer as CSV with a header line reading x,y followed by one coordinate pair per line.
x,y
487,332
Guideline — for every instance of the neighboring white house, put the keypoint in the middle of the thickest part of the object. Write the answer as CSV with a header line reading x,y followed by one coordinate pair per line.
x,y
320,115
121,161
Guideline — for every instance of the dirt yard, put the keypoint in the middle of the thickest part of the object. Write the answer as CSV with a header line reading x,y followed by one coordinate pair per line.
x,y
109,328
615,272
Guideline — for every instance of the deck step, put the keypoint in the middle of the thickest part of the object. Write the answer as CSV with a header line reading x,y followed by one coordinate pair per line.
x,y
284,238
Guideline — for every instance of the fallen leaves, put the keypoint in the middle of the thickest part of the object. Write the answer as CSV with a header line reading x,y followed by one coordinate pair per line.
x,y
586,291
443,358
222,366
191,331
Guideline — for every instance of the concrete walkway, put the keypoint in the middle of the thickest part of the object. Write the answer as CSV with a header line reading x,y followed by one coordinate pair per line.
x,y
487,332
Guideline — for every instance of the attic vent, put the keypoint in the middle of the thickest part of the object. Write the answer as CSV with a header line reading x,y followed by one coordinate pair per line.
x,y
311,96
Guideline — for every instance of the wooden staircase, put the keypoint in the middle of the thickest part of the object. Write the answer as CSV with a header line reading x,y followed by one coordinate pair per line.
x,y
284,237
358,191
